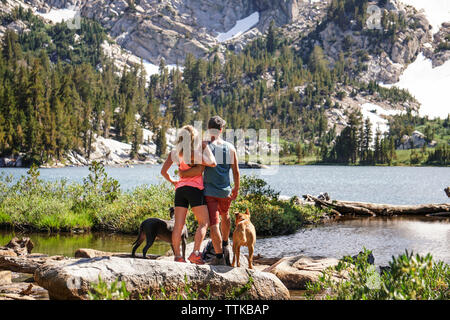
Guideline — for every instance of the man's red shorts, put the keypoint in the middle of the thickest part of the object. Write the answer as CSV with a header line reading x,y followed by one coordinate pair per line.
x,y
216,207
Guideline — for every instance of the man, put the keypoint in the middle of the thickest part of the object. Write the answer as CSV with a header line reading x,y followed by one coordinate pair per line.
x,y
218,192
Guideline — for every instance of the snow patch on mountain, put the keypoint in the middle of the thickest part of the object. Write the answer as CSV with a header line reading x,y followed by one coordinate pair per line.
x,y
239,28
375,114
58,15
151,69
430,86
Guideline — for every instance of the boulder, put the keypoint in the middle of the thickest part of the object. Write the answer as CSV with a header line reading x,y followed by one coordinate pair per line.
x,y
71,280
296,271
416,140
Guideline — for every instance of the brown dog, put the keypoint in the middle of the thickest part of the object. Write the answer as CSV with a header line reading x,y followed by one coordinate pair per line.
x,y
244,235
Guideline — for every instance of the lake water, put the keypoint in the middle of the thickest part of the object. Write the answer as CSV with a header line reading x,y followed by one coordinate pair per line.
x,y
394,185
385,236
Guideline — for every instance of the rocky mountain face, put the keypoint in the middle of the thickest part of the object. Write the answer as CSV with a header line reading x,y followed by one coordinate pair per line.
x,y
384,56
439,50
169,29
155,29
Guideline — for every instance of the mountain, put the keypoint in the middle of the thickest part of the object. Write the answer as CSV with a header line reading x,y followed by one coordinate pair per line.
x,y
301,66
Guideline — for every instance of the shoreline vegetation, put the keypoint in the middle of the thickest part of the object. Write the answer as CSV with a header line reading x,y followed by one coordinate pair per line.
x,y
97,204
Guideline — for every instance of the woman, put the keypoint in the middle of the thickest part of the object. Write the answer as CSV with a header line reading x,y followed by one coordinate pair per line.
x,y
189,191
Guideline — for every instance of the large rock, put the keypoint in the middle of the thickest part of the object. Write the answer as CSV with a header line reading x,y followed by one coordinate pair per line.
x,y
71,280
296,271
416,140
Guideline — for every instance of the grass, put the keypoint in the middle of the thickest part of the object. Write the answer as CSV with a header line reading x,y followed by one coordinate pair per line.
x,y
98,204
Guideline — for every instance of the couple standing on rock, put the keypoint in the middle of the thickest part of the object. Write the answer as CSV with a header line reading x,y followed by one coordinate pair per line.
x,y
204,185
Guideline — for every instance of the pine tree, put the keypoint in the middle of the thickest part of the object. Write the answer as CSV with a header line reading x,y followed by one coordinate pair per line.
x,y
271,39
161,144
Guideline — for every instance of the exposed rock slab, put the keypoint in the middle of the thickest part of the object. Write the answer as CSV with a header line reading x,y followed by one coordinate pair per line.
x,y
295,272
91,253
70,280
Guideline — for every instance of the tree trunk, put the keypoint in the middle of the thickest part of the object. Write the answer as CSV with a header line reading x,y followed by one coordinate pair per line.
x,y
372,209
26,264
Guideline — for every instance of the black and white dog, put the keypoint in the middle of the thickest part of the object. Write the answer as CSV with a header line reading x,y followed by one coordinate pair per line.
x,y
162,229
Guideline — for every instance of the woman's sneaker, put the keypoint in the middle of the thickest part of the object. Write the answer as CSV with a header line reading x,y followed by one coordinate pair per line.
x,y
196,258
179,259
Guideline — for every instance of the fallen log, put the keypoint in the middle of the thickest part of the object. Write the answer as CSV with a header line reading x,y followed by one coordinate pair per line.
x,y
26,265
366,208
340,209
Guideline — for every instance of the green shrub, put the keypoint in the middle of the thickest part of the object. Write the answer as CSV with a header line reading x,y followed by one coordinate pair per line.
x,y
410,277
127,212
115,291
101,291
98,204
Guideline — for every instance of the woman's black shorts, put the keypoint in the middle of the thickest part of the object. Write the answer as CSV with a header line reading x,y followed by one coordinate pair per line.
x,y
189,196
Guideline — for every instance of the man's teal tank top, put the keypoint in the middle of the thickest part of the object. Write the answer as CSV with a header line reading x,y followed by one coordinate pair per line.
x,y
217,180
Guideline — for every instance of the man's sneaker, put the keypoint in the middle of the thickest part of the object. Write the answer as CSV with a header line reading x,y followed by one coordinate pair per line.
x,y
179,259
197,259
217,261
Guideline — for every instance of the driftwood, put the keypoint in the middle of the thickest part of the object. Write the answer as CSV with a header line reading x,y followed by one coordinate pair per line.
x,y
26,264
21,247
374,209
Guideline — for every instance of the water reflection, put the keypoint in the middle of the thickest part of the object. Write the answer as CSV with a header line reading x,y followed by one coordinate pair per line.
x,y
66,244
385,236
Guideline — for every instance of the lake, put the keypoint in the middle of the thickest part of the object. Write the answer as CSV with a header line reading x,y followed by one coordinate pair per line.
x,y
394,185
385,236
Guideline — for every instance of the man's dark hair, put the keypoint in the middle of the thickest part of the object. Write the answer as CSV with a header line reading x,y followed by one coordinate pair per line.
x,y
216,122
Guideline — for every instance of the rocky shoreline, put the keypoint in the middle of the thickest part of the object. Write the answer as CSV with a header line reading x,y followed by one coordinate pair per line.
x,y
28,276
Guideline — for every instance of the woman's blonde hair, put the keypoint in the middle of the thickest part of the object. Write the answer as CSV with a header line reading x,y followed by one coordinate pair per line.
x,y
186,140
